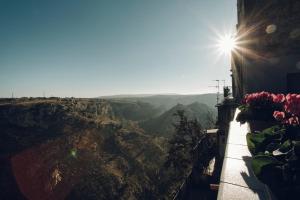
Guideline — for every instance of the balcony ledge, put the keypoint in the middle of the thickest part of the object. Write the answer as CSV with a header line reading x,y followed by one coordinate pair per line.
x,y
238,181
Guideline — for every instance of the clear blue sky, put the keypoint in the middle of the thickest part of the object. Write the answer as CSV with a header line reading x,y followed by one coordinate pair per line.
x,y
89,48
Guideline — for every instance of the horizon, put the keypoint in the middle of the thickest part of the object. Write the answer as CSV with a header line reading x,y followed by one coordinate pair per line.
x,y
104,48
116,95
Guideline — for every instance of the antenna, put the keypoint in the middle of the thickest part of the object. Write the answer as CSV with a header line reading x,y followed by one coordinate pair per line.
x,y
12,97
96,113
218,89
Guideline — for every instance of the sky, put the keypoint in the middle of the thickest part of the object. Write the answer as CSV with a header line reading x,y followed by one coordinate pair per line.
x,y
90,48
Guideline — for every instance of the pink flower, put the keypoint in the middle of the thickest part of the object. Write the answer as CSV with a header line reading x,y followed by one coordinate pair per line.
x,y
288,107
292,104
293,121
259,100
279,115
278,98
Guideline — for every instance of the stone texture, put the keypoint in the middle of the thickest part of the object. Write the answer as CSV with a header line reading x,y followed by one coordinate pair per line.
x,y
234,192
237,179
237,151
239,172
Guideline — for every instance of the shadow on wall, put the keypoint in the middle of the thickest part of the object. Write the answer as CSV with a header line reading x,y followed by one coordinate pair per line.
x,y
251,179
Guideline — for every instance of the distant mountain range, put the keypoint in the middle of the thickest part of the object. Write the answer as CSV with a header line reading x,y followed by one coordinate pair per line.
x,y
167,101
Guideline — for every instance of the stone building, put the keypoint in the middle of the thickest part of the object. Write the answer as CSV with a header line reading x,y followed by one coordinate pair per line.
x,y
267,57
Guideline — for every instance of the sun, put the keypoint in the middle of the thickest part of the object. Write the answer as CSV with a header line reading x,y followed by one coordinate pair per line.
x,y
232,42
226,44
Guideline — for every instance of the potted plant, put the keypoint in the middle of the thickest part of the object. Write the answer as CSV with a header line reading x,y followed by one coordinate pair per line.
x,y
276,150
258,109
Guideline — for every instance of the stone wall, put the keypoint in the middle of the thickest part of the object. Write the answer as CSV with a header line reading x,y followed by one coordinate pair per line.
x,y
268,33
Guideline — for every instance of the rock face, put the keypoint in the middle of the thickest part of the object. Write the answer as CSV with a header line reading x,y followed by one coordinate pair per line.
x,y
74,149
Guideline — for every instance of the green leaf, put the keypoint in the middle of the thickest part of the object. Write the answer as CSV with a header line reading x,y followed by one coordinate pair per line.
x,y
286,146
243,108
254,142
260,162
272,147
258,142
273,130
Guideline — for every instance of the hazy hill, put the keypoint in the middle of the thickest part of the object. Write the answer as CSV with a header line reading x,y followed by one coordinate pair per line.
x,y
133,110
74,149
163,124
87,148
165,102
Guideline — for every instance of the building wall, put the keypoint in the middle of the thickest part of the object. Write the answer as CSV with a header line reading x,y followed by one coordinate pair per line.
x,y
268,33
226,111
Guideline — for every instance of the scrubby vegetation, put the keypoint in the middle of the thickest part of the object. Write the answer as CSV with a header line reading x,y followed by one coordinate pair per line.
x,y
84,149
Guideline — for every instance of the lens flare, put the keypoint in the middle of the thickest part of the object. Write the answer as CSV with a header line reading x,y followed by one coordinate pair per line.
x,y
227,44
73,153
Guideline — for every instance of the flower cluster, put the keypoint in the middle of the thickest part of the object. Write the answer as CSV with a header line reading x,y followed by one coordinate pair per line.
x,y
286,107
290,113
263,100
292,104
278,98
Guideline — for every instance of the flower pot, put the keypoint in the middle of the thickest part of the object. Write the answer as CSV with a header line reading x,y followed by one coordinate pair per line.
x,y
259,125
263,114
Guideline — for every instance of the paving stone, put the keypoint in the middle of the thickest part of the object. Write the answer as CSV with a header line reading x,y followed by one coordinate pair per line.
x,y
234,192
237,151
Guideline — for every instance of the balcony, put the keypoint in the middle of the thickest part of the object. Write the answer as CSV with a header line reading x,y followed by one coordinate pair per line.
x,y
238,181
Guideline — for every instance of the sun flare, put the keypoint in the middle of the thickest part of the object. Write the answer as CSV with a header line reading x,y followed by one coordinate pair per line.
x,y
227,44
